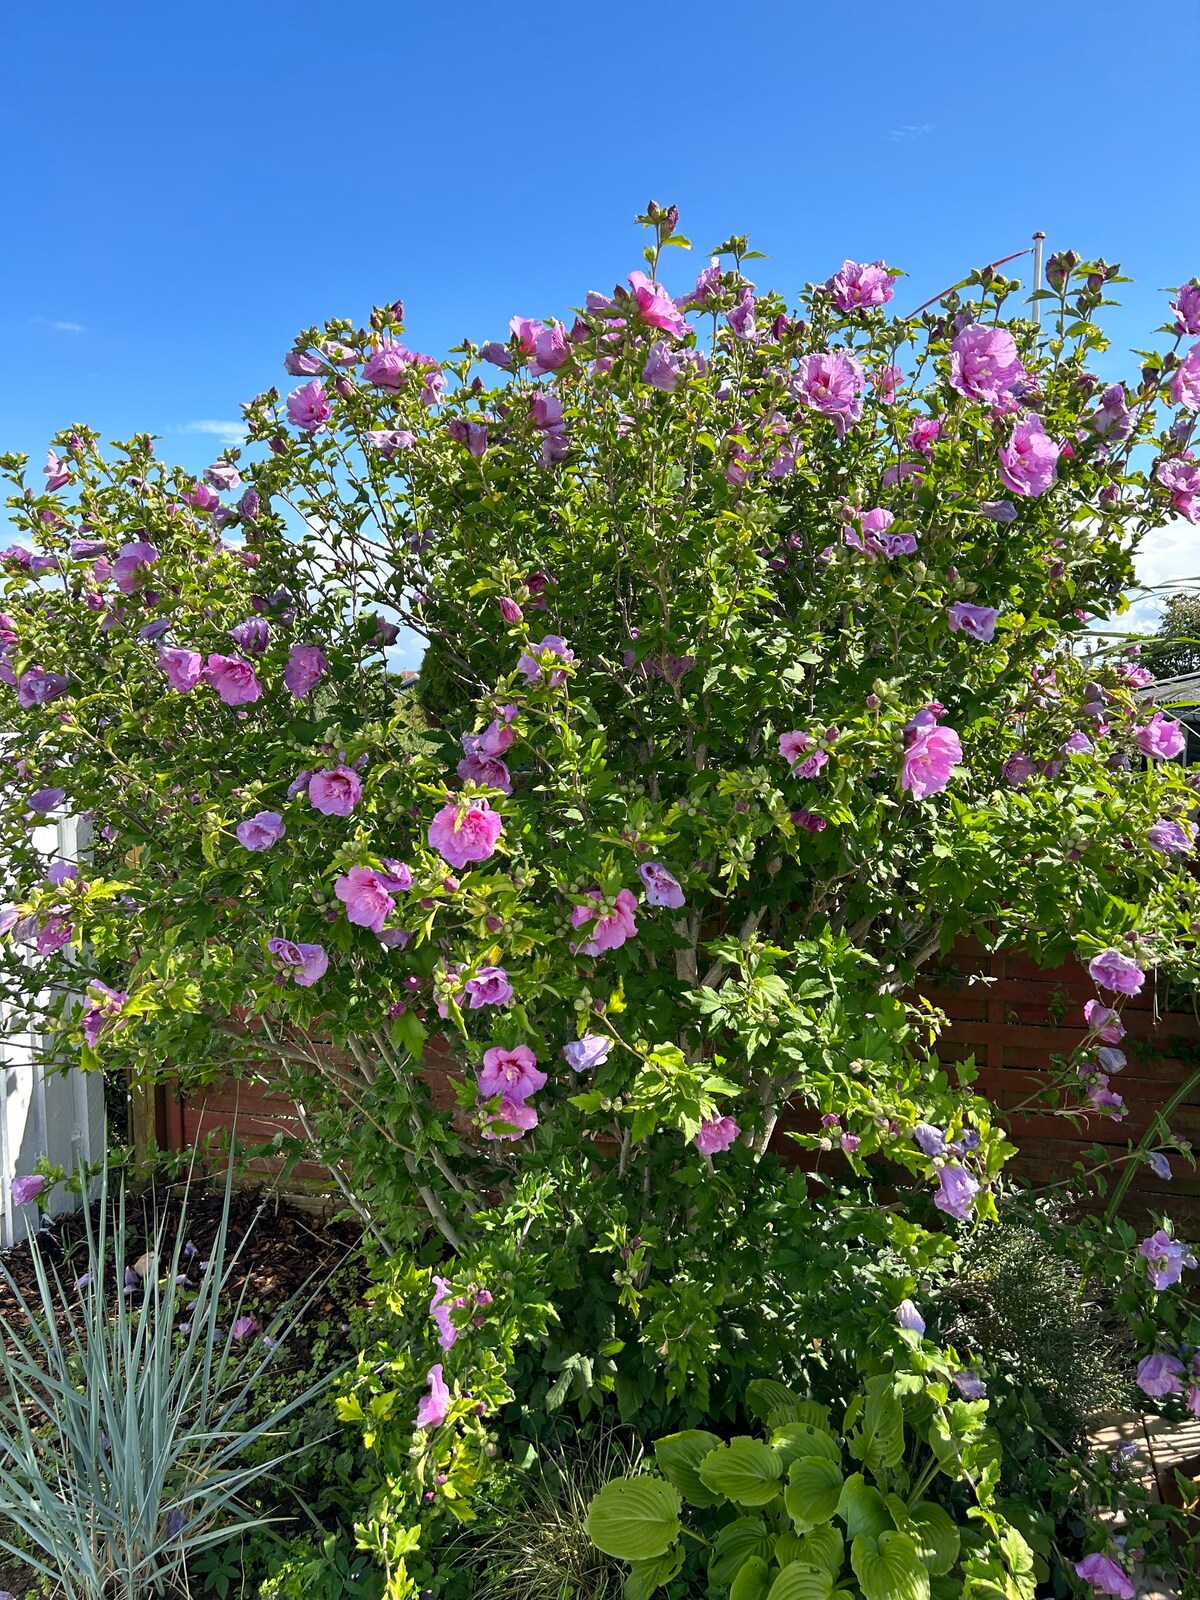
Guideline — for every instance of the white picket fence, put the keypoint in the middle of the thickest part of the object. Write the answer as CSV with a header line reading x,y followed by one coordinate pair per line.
x,y
44,1111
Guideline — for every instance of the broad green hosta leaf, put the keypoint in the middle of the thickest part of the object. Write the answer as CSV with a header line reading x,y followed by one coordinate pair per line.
x,y
647,1576
634,1519
861,1507
774,1403
813,1492
933,1531
809,1411
799,1581
752,1582
763,1395
679,1456
788,1547
820,1547
889,1568
745,1471
737,1543
796,1439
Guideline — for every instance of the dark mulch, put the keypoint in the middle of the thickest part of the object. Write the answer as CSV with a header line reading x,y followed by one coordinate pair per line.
x,y
285,1251
288,1255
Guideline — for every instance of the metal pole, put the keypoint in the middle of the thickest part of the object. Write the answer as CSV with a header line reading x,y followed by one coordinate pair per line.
x,y
1039,240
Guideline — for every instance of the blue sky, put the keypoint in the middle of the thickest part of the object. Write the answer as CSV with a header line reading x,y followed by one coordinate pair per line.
x,y
188,185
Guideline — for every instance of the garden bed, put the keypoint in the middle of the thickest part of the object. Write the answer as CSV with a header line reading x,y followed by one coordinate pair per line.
x,y
284,1254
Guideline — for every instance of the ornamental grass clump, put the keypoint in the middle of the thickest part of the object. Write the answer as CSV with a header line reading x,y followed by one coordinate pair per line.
x,y
128,1406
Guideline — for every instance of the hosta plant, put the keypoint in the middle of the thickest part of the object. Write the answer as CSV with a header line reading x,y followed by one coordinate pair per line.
x,y
894,1502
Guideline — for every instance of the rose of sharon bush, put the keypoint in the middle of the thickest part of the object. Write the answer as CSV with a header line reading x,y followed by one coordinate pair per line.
x,y
717,740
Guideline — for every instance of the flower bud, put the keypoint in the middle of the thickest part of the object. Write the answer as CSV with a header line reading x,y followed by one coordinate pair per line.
x,y
1060,267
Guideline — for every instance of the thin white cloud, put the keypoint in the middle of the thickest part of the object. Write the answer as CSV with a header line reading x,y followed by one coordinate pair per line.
x,y
60,326
227,432
910,130
1168,560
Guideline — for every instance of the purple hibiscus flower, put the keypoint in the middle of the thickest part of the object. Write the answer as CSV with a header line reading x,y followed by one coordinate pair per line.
x,y
308,407
716,1135
582,1055
183,668
1116,972
858,285
234,679
26,1190
303,962
261,831
335,791
662,888
956,1192
465,833
979,622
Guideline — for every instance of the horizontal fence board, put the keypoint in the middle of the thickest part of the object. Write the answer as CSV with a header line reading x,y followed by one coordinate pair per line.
x,y
1004,1010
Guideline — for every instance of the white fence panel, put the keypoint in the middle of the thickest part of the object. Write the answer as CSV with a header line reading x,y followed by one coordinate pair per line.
x,y
44,1111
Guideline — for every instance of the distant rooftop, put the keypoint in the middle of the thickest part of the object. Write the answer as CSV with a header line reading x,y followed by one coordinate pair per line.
x,y
1183,690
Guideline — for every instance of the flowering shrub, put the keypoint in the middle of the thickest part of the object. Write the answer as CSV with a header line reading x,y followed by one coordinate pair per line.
x,y
754,676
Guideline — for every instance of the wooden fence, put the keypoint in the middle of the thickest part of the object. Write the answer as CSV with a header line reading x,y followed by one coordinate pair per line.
x,y
1011,1015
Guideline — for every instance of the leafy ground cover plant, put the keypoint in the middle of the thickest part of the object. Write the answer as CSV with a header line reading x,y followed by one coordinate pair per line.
x,y
128,1410
756,671
809,1509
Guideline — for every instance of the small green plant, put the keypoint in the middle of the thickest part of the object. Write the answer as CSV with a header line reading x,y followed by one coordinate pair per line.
x,y
324,1568
126,1410
886,1507
1040,1326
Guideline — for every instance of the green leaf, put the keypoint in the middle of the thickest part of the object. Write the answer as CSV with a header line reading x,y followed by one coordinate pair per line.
x,y
679,1456
861,1507
634,1519
932,1530
752,1582
763,1395
789,1546
647,1576
797,1439
643,1125
889,1568
822,1547
813,1492
808,1411
799,1581
745,1471
879,1442
736,1543
409,1031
